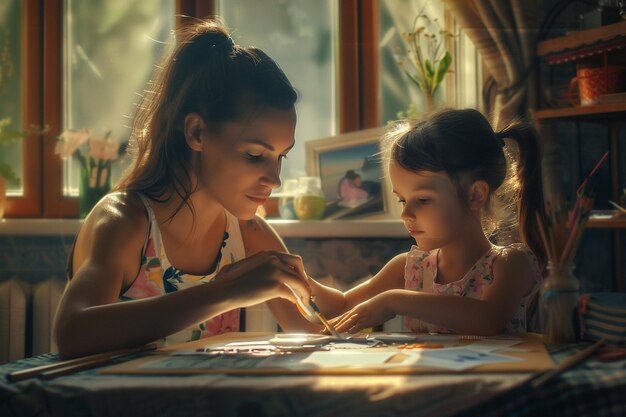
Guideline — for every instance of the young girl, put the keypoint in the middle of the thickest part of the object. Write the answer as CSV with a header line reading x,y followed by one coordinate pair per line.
x,y
451,175
208,141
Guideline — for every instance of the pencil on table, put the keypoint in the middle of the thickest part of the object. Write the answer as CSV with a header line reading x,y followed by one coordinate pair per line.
x,y
73,365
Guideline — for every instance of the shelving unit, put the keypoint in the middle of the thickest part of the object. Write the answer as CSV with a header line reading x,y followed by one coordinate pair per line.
x,y
605,111
573,47
584,43
613,223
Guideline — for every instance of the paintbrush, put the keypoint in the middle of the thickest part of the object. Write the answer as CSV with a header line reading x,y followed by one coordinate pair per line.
x,y
321,317
311,311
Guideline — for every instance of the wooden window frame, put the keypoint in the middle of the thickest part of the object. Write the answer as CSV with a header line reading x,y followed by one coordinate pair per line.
x,y
42,89
359,97
29,205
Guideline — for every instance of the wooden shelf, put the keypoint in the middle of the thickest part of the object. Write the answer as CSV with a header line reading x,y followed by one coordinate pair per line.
x,y
613,223
607,219
605,110
579,44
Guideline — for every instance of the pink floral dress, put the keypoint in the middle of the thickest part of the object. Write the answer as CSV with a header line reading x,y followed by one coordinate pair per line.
x,y
420,274
157,276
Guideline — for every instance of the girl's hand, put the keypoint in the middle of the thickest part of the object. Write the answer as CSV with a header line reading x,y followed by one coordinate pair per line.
x,y
263,276
372,312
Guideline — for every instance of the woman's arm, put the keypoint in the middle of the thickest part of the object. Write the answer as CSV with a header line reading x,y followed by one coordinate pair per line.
x,y
259,236
108,253
513,279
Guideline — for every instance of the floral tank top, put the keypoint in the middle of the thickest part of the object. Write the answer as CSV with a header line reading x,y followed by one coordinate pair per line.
x,y
420,274
157,276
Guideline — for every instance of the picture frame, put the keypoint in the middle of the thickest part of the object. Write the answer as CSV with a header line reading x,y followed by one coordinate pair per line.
x,y
353,176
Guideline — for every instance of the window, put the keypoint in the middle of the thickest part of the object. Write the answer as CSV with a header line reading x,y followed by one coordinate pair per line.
x,y
10,86
80,63
465,86
109,52
301,36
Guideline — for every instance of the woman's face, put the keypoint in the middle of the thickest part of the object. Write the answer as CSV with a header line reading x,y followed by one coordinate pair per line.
x,y
432,212
241,163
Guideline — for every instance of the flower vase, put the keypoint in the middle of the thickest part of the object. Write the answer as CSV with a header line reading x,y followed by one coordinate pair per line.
x,y
92,188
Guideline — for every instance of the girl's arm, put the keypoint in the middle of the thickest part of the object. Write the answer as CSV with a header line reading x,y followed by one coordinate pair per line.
x,y
258,235
390,277
333,302
513,278
108,253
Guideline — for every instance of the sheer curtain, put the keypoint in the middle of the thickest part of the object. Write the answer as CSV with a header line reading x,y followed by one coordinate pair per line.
x,y
505,33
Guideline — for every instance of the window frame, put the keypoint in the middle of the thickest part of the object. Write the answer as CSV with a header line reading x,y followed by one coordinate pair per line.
x,y
29,205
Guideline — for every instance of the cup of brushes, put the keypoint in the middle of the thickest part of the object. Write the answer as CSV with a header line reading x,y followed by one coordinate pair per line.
x,y
561,230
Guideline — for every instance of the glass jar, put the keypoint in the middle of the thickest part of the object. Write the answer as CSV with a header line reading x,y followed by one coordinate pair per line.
x,y
285,200
309,202
559,298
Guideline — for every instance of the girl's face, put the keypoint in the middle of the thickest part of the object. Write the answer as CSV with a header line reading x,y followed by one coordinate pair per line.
x,y
241,163
432,212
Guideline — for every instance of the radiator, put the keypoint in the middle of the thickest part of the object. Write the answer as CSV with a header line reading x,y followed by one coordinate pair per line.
x,y
46,296
14,295
26,317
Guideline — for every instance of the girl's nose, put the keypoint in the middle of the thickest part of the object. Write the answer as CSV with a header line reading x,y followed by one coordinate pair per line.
x,y
406,213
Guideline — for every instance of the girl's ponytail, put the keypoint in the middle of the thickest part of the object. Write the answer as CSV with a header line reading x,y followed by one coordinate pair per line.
x,y
529,197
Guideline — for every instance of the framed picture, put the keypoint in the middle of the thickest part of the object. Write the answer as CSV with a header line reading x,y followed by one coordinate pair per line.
x,y
351,170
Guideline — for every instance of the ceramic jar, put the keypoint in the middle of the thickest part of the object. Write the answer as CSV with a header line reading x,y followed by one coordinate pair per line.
x,y
309,201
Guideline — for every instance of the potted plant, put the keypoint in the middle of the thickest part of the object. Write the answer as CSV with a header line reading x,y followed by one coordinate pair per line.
x,y
95,155
426,61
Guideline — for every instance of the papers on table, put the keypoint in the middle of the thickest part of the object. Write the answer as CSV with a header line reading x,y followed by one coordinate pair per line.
x,y
492,345
474,354
308,351
329,359
457,359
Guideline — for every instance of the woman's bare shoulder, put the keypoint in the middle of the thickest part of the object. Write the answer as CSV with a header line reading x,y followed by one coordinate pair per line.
x,y
116,211
117,224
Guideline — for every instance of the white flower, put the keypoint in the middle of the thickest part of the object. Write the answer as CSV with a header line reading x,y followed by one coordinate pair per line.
x,y
95,154
69,141
104,149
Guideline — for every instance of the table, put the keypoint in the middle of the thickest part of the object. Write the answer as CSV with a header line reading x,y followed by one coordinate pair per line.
x,y
591,389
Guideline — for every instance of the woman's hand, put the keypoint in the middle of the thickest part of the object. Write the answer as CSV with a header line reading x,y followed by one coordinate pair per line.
x,y
263,276
372,312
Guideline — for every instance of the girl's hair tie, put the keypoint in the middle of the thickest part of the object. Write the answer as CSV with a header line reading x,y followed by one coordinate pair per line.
x,y
226,43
